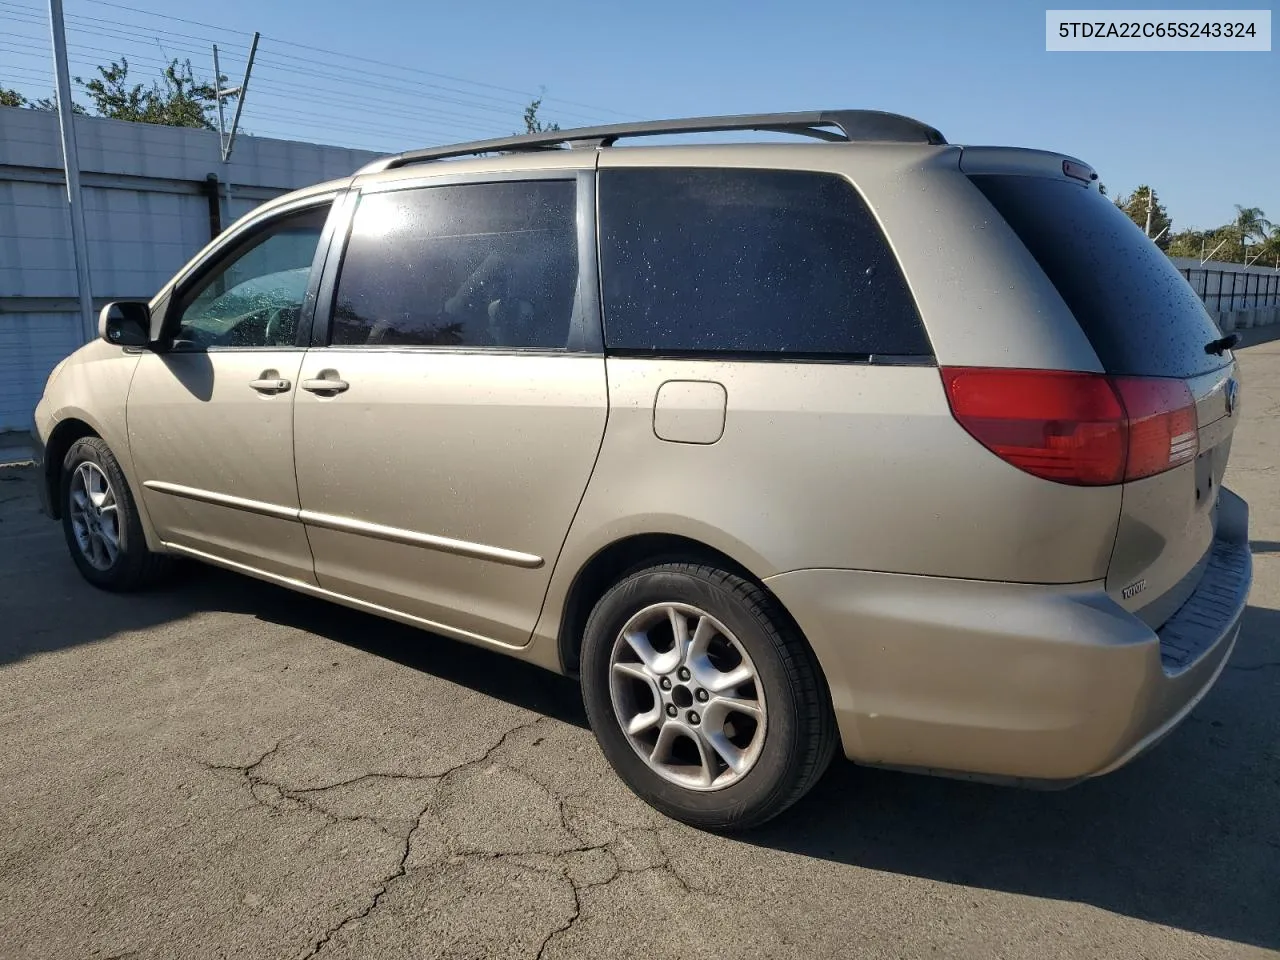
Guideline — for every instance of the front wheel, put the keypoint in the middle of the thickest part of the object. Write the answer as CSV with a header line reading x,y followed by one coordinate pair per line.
x,y
101,523
704,697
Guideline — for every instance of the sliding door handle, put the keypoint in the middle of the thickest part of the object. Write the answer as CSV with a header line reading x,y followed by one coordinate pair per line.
x,y
324,385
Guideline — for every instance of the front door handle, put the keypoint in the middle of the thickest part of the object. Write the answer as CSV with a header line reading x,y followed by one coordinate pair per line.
x,y
325,385
270,384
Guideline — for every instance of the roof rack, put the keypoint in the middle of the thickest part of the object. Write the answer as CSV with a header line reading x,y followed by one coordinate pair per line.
x,y
852,125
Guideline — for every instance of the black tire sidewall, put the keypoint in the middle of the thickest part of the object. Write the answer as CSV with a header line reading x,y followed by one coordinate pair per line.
x,y
764,787
133,548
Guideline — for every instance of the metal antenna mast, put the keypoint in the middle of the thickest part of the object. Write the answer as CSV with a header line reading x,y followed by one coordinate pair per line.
x,y
227,139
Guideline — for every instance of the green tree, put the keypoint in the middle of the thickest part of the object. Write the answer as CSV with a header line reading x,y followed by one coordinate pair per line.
x,y
50,104
1187,243
12,98
1251,224
531,122
1135,206
177,100
1220,243
1269,254
1223,244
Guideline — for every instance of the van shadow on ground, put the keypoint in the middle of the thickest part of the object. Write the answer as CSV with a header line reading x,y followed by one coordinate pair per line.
x,y
1187,836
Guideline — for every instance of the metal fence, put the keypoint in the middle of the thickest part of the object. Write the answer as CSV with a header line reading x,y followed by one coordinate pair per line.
x,y
1224,290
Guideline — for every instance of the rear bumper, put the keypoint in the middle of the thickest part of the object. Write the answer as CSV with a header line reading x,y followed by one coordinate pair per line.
x,y
1014,682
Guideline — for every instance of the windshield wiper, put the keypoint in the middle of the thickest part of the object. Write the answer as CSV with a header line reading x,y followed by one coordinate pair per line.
x,y
1222,344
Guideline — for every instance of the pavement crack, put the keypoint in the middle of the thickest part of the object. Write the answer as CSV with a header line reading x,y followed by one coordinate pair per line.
x,y
577,888
670,868
564,817
246,769
378,894
375,775
401,867
279,798
567,925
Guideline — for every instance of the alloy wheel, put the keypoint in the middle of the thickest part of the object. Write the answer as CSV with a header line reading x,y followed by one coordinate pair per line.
x,y
95,521
687,696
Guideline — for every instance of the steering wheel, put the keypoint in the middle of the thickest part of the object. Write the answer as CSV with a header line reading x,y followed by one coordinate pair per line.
x,y
282,326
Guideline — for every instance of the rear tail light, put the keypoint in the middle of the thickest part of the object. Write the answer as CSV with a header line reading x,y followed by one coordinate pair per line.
x,y
1087,429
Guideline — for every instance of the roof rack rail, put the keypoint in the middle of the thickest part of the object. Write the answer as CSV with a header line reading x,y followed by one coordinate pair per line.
x,y
852,125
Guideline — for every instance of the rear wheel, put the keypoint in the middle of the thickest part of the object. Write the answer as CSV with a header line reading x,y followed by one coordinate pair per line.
x,y
703,696
101,523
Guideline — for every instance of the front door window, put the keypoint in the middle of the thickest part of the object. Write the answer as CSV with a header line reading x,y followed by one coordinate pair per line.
x,y
254,298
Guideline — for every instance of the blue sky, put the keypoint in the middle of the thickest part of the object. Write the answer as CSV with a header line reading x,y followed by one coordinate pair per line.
x,y
1200,127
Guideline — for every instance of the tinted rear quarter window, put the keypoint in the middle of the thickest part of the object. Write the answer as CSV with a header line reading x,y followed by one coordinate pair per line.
x,y
755,262
1140,315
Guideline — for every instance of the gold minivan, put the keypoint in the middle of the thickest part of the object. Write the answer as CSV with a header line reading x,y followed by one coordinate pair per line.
x,y
861,441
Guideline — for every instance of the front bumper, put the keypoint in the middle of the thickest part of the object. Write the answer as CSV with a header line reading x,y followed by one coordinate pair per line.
x,y
38,454
1040,684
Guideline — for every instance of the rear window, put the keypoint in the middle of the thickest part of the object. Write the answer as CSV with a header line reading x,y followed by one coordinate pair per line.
x,y
1141,316
757,262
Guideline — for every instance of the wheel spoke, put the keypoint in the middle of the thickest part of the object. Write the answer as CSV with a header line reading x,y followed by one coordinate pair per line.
x,y
667,737
707,759
96,549
736,759
79,499
702,635
679,633
645,721
88,479
719,708
718,681
639,643
111,541
633,670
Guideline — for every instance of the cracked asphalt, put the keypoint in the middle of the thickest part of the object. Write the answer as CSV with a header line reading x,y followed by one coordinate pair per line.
x,y
224,769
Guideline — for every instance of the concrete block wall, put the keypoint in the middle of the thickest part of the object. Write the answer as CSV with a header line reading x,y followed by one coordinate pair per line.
x,y
1235,320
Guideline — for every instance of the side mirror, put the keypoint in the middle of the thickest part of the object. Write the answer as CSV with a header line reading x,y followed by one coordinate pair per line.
x,y
126,323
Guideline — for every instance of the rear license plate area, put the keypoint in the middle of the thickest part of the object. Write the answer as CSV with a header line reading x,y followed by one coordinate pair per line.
x,y
1206,480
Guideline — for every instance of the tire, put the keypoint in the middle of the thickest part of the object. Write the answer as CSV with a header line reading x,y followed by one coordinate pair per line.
x,y
782,739
121,564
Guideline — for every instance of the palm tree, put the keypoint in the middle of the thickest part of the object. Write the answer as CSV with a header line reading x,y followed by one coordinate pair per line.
x,y
1251,223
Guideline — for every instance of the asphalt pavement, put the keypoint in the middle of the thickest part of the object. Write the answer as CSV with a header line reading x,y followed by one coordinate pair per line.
x,y
222,769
